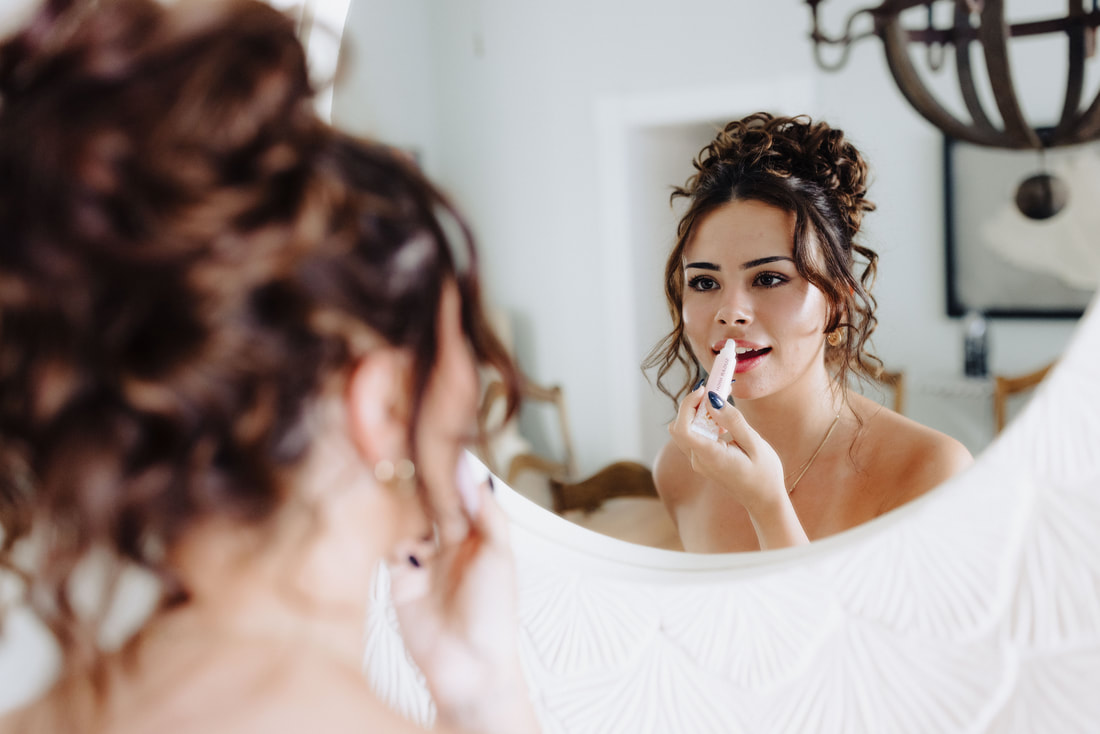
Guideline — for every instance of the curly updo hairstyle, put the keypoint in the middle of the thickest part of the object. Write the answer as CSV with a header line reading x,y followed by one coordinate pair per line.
x,y
812,171
189,255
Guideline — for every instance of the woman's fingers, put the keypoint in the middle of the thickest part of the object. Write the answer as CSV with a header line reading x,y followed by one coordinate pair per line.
x,y
745,466
684,416
681,428
733,421
454,503
459,510
490,521
483,515
745,442
410,570
703,452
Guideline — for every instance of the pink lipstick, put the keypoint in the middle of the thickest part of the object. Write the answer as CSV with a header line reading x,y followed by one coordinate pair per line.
x,y
719,382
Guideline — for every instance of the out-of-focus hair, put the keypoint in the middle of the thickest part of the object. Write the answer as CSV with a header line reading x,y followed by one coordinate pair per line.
x,y
811,170
188,254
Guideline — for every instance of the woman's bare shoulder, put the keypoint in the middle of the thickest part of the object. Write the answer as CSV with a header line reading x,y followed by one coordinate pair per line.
x,y
297,698
671,470
43,716
12,722
309,693
907,456
65,700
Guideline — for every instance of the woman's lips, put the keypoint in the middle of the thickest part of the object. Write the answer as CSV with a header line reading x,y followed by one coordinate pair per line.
x,y
749,360
748,356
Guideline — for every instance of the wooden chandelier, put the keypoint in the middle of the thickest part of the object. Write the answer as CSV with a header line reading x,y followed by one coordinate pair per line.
x,y
982,22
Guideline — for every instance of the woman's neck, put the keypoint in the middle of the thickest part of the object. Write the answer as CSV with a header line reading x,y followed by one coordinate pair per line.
x,y
268,621
794,419
279,594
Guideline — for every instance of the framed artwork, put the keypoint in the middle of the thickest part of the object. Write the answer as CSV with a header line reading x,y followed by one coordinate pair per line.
x,y
1000,262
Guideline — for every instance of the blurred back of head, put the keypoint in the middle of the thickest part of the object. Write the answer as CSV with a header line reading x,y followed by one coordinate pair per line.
x,y
187,256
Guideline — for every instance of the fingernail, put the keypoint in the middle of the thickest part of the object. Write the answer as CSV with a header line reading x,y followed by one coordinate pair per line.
x,y
414,562
716,401
699,384
467,487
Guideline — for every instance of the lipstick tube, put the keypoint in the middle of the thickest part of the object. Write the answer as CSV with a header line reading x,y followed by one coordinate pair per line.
x,y
720,381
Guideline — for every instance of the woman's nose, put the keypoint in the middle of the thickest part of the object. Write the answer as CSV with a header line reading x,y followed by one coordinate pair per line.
x,y
734,310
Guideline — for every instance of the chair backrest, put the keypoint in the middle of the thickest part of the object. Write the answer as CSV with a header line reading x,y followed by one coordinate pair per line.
x,y
525,459
888,389
619,479
896,381
1007,386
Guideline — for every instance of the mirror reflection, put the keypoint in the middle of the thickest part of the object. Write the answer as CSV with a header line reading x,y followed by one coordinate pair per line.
x,y
562,134
770,288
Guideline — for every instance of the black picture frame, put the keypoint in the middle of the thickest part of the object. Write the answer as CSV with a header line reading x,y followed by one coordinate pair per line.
x,y
976,279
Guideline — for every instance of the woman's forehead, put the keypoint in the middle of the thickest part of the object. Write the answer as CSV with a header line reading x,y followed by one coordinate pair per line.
x,y
742,231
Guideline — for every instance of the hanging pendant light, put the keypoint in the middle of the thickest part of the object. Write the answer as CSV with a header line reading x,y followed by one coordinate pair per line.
x,y
979,22
1041,196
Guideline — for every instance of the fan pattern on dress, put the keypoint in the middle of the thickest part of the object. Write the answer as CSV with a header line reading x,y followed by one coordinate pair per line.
x,y
974,609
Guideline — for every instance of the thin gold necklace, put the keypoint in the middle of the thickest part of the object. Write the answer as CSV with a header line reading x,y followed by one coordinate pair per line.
x,y
820,446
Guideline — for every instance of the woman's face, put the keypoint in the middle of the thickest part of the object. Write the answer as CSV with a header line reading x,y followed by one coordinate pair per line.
x,y
740,282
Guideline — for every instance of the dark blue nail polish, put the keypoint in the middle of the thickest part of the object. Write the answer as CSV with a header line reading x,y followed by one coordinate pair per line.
x,y
699,384
413,561
716,401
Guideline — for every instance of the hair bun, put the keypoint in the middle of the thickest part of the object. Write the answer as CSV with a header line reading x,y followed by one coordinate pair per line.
x,y
244,54
796,146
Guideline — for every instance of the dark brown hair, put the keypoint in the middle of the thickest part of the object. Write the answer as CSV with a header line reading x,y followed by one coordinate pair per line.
x,y
812,171
187,253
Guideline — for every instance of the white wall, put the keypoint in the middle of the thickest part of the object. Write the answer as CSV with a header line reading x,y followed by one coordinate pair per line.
x,y
658,157
386,86
518,90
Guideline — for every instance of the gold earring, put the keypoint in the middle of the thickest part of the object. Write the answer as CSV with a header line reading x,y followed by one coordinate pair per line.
x,y
387,471
835,337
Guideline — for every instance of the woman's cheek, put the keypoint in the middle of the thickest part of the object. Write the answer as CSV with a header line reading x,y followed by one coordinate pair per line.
x,y
696,334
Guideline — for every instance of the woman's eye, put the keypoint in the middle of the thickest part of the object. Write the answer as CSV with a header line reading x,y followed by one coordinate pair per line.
x,y
702,283
770,280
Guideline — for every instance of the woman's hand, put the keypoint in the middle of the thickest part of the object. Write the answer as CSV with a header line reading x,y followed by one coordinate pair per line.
x,y
742,464
457,610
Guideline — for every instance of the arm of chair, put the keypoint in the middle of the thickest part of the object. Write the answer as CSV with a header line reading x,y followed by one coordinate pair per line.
x,y
620,479
563,470
1004,387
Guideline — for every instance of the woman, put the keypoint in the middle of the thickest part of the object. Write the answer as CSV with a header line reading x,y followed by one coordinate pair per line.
x,y
766,255
239,354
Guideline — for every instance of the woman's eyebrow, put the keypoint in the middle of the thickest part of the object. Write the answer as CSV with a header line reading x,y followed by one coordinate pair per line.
x,y
702,266
764,261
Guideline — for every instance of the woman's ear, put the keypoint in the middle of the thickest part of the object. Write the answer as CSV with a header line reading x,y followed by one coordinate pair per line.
x,y
379,404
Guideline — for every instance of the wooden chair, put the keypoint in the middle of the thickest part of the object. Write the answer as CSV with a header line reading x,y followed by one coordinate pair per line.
x,y
562,470
1006,387
620,479
896,382
620,501
887,389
